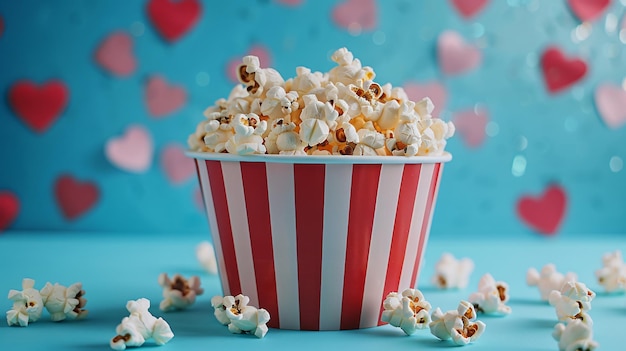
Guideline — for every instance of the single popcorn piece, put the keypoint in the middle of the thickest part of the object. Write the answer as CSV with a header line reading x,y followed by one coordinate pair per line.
x,y
64,302
548,279
408,311
217,131
178,292
205,253
460,326
27,304
612,276
576,335
349,69
140,326
283,139
452,273
248,135
258,80
571,300
240,317
491,296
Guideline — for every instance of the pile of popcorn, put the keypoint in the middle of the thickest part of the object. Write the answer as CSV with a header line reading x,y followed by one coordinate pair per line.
x,y
341,112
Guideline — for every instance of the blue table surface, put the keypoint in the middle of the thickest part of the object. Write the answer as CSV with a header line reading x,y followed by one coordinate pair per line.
x,y
115,268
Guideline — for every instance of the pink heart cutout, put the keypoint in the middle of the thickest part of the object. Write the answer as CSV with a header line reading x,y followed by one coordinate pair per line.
x,y
434,90
588,10
470,124
469,8
611,105
9,209
163,99
115,54
545,212
176,165
75,197
259,51
132,151
362,13
455,56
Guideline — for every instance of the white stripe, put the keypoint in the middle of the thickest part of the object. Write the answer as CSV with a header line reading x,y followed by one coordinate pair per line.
x,y
239,224
338,181
430,219
380,244
416,225
212,218
281,192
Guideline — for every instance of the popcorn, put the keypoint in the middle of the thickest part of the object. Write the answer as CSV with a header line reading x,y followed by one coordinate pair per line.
x,y
140,326
342,112
241,317
27,304
612,276
452,273
206,256
571,300
62,302
549,279
457,325
576,335
491,296
408,311
178,293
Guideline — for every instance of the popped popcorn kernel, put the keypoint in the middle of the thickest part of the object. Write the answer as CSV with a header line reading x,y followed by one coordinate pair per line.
x,y
178,292
458,325
240,318
491,296
575,335
140,326
452,273
571,300
612,275
548,279
408,311
27,304
205,253
64,302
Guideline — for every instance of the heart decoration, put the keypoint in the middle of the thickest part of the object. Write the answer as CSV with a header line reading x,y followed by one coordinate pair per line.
x,y
588,10
434,90
455,56
174,18
259,51
9,209
1,26
469,8
176,165
132,151
544,213
115,54
75,197
163,99
611,104
38,106
560,72
356,12
470,124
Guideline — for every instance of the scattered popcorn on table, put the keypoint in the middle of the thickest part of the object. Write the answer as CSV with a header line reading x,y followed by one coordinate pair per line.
x,y
408,311
548,279
342,112
205,253
27,304
576,335
571,300
457,325
612,276
64,302
452,273
140,326
491,296
240,317
178,292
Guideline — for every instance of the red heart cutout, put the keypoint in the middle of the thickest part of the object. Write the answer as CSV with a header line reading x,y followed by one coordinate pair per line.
x,y
468,8
75,197
588,10
38,106
9,209
559,72
544,213
173,19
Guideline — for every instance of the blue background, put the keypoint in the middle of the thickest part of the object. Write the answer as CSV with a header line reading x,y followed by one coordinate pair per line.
x,y
561,136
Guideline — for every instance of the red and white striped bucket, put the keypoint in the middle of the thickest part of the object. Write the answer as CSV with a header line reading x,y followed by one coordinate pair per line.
x,y
318,241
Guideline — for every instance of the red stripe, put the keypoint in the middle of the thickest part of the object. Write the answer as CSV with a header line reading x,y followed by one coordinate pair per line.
x,y
401,228
309,202
254,178
216,181
365,180
425,222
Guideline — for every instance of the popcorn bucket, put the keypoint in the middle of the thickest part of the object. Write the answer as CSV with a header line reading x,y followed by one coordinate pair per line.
x,y
318,241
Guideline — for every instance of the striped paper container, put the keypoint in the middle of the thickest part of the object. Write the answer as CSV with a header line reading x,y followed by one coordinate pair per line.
x,y
318,241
